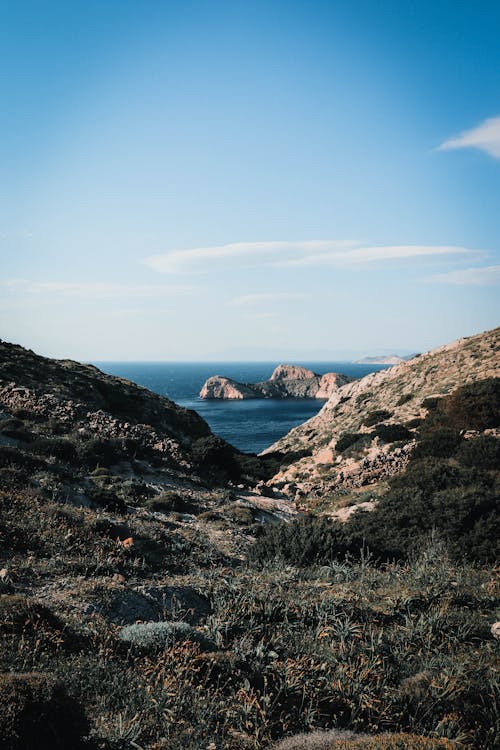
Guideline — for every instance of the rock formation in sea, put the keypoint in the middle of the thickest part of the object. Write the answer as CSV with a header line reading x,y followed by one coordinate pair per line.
x,y
287,381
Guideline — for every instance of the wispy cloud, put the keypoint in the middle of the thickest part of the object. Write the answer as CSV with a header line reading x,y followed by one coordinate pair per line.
x,y
363,255
263,298
485,136
290,254
250,253
93,289
486,276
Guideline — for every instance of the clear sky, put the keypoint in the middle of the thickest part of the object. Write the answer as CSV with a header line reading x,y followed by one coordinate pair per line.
x,y
248,180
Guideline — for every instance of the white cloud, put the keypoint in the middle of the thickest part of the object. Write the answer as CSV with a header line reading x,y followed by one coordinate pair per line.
x,y
246,253
486,276
485,136
93,289
261,298
290,254
362,255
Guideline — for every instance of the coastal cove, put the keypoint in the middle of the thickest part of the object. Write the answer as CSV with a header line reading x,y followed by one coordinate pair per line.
x,y
248,425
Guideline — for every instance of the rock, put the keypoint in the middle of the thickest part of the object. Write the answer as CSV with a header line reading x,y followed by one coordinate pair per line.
x,y
287,381
218,387
330,382
292,372
495,630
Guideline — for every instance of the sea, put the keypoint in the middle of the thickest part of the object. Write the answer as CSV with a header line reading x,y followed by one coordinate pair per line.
x,y
250,425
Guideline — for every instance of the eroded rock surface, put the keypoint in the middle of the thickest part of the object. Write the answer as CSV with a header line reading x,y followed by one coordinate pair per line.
x,y
287,381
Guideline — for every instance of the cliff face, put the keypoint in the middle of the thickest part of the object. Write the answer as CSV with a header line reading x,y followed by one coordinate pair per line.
x,y
287,381
387,400
219,387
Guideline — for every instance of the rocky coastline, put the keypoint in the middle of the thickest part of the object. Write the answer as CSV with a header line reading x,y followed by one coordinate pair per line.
x,y
286,381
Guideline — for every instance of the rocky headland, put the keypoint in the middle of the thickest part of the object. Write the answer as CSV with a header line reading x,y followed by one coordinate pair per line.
x,y
286,381
379,416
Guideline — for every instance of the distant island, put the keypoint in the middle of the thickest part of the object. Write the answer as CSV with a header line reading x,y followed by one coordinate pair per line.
x,y
390,359
287,381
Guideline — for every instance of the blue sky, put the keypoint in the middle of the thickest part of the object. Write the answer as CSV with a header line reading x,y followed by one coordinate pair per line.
x,y
235,180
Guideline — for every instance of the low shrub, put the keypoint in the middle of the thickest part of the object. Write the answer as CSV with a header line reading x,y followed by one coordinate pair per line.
x,y
346,440
157,636
440,442
105,498
404,399
376,416
241,514
304,541
169,501
482,452
390,433
58,447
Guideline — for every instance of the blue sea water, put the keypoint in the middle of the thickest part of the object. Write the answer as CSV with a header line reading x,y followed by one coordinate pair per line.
x,y
249,425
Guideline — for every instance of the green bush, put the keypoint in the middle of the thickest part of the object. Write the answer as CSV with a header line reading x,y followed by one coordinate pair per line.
x,y
304,541
98,452
58,447
441,442
475,406
346,440
404,399
169,501
482,452
390,433
376,416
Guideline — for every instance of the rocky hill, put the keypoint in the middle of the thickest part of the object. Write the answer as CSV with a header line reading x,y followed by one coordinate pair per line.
x,y
286,381
379,415
390,359
128,621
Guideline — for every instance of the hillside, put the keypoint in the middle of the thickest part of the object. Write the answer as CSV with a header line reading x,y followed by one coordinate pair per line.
x,y
381,412
151,600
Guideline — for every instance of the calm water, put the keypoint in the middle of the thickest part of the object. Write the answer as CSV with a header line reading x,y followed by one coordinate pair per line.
x,y
249,425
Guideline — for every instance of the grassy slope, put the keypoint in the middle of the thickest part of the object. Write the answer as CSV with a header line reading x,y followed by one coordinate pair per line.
x,y
402,647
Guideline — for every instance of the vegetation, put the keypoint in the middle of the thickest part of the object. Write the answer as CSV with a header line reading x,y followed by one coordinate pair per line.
x,y
376,416
123,627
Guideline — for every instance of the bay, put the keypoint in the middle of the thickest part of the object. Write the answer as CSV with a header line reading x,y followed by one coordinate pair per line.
x,y
250,425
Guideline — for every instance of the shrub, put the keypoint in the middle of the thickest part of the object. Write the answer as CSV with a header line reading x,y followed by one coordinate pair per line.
x,y
98,452
482,452
242,514
376,416
105,498
156,636
433,495
413,423
346,440
61,448
404,399
169,501
430,403
304,541
475,406
390,433
440,443
215,456
37,714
